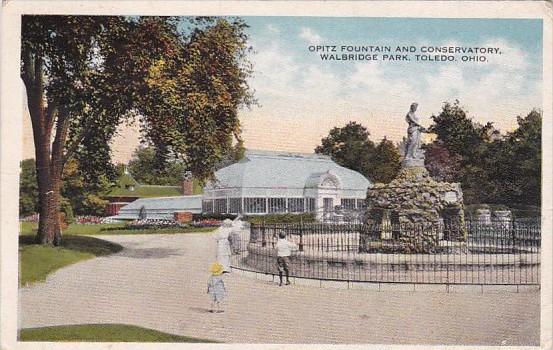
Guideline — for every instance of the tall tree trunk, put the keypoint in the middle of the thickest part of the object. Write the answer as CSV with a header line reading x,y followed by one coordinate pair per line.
x,y
56,171
49,158
45,234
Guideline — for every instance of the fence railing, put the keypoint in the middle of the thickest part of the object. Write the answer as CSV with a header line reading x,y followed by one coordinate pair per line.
x,y
487,253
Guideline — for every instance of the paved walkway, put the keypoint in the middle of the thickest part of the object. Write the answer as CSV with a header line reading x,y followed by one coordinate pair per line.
x,y
159,282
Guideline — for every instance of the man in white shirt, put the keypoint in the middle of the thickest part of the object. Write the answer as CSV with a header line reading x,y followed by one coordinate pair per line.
x,y
284,250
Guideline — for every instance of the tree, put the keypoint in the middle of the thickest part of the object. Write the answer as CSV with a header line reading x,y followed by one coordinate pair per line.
x,y
146,168
69,88
233,155
192,107
84,74
385,162
28,189
456,130
514,164
525,143
82,196
76,195
465,144
349,146
442,164
492,168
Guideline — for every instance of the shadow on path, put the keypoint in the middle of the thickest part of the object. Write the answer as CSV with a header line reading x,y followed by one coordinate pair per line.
x,y
201,310
149,253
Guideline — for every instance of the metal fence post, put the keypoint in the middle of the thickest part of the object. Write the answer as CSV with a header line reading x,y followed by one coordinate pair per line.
x,y
301,236
263,238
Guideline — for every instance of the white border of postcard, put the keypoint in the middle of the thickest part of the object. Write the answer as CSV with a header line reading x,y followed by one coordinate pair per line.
x,y
11,128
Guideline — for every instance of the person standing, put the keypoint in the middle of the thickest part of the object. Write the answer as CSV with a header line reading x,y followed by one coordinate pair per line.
x,y
235,235
284,250
223,244
216,287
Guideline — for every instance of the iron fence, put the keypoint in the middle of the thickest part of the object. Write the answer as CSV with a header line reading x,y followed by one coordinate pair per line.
x,y
484,253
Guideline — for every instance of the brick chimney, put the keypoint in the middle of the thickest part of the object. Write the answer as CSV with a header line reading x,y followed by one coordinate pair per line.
x,y
187,187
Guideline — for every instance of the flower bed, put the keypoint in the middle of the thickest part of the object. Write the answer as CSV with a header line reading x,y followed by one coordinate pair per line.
x,y
31,218
94,220
207,223
153,224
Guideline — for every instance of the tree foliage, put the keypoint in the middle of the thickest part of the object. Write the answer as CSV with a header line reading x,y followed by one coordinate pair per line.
x,y
232,155
193,100
492,168
453,125
146,168
83,196
385,162
28,189
351,147
514,164
441,163
85,74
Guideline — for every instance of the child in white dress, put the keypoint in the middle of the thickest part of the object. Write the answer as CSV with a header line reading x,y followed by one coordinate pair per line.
x,y
216,287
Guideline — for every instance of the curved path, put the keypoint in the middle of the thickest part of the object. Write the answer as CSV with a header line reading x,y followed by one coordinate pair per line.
x,y
159,282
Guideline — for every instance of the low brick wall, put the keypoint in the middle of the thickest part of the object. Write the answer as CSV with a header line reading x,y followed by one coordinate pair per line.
x,y
183,217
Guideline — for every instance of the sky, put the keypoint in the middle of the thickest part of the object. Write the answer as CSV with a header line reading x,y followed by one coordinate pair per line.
x,y
302,97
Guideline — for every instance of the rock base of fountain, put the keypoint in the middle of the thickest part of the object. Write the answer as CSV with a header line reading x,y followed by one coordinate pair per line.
x,y
417,210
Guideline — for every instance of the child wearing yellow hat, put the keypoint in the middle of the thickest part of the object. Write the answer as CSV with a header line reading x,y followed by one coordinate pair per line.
x,y
216,286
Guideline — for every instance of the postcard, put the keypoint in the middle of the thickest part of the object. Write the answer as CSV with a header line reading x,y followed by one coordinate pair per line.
x,y
276,174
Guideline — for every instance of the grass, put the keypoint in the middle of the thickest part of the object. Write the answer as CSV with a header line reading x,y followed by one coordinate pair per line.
x,y
36,261
147,191
103,333
29,228
197,187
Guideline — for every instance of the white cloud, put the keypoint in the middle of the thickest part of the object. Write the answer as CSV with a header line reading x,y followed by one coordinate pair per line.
x,y
310,36
272,28
303,98
512,58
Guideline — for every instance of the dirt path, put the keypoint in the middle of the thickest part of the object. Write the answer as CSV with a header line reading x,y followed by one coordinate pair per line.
x,y
159,282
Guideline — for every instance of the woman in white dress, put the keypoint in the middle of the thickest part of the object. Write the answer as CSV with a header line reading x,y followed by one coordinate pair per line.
x,y
223,244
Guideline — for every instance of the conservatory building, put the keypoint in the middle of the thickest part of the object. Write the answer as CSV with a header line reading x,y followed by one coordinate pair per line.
x,y
276,182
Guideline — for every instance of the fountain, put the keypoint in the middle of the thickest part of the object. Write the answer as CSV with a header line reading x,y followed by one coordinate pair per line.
x,y
414,231
419,211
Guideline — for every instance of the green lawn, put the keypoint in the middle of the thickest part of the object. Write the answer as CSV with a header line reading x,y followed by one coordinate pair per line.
x,y
146,191
29,228
37,261
103,333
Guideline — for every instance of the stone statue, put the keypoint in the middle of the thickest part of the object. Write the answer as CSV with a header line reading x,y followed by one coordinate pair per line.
x,y
414,154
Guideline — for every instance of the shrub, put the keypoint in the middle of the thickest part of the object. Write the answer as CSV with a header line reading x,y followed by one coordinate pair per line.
x,y
281,218
28,188
67,209
63,221
214,216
